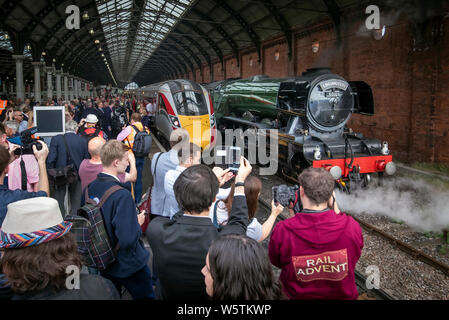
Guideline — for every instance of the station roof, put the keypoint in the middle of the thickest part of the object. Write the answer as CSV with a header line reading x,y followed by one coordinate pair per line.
x,y
124,41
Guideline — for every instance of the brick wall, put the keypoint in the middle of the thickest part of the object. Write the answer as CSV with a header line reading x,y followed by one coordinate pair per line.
x,y
410,87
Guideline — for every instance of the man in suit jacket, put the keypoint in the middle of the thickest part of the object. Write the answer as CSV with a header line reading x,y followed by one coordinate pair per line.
x,y
58,158
180,244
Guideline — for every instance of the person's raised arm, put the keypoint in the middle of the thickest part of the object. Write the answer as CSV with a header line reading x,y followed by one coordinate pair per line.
x,y
41,156
238,219
268,224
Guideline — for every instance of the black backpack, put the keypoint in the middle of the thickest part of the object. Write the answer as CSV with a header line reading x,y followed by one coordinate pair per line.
x,y
142,143
89,136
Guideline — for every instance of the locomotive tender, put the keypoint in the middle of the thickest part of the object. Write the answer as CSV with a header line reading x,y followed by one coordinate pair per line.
x,y
310,113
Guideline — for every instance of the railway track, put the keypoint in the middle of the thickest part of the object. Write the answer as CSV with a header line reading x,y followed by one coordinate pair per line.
x,y
360,278
415,253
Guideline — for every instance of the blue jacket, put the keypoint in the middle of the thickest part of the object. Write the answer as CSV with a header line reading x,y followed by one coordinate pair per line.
x,y
106,118
8,196
57,157
120,219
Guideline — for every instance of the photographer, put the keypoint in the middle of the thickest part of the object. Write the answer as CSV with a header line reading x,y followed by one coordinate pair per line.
x,y
60,156
8,196
317,249
180,245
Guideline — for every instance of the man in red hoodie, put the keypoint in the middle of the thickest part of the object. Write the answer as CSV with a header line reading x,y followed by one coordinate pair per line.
x,y
317,249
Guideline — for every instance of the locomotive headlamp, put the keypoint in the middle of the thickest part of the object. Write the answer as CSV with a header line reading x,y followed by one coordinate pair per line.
x,y
385,150
317,153
174,120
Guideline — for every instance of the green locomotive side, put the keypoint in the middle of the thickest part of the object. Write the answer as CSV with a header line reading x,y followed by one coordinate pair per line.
x,y
237,98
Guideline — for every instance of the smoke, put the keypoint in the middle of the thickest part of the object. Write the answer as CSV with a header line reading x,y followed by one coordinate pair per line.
x,y
386,18
421,206
416,11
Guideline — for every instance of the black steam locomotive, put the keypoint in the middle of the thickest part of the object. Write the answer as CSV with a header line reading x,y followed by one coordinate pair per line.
x,y
310,113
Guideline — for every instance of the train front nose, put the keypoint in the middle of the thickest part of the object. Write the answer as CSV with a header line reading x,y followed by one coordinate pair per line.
x,y
198,128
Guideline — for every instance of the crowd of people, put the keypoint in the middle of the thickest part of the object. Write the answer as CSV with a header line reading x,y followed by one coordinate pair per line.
x,y
203,235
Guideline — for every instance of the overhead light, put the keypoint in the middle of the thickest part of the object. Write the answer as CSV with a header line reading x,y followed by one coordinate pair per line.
x,y
379,33
315,46
102,54
86,15
43,53
28,47
54,60
99,49
97,41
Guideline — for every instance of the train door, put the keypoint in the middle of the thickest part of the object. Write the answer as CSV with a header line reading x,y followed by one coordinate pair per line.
x,y
162,120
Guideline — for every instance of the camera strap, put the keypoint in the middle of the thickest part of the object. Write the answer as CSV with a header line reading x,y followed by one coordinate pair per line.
x,y
24,174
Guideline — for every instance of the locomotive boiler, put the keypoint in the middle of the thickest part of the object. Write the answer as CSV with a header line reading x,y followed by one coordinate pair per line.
x,y
311,113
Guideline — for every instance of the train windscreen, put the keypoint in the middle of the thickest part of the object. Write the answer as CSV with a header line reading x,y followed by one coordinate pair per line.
x,y
190,103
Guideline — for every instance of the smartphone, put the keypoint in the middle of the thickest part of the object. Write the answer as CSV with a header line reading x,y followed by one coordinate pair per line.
x,y
233,162
274,195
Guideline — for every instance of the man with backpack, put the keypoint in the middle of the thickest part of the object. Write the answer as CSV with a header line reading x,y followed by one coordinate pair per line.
x,y
138,139
122,223
67,149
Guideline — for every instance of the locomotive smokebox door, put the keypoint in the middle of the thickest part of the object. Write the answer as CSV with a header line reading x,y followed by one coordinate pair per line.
x,y
363,98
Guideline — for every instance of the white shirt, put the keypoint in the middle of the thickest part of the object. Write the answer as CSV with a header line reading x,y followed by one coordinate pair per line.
x,y
151,109
167,161
254,230
171,206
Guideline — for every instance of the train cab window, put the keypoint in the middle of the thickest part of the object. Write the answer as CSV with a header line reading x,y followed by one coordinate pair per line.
x,y
162,104
190,103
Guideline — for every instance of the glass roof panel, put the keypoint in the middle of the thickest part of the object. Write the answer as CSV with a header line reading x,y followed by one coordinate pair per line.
x,y
156,20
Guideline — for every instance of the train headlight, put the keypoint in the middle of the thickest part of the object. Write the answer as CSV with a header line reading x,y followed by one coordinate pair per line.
x,y
385,150
212,120
317,153
175,121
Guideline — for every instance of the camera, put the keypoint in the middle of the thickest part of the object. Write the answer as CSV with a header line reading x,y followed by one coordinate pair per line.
x,y
287,196
28,142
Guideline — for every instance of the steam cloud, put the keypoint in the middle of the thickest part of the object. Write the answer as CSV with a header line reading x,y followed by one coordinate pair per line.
x,y
420,205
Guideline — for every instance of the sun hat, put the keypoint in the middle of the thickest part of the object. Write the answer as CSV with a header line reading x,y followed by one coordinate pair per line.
x,y
91,118
31,222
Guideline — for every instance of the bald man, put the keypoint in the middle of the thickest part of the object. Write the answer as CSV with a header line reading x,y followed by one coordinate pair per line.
x,y
90,168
